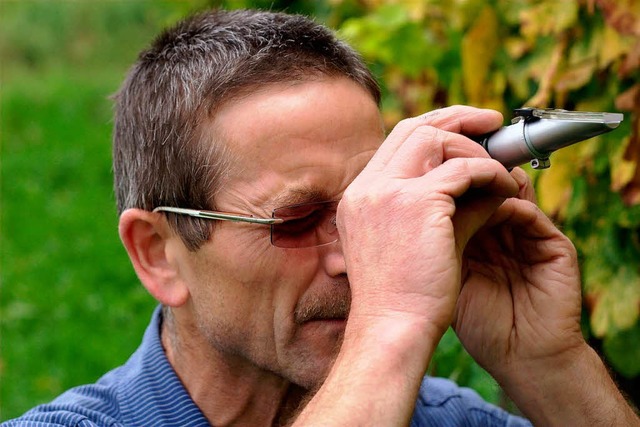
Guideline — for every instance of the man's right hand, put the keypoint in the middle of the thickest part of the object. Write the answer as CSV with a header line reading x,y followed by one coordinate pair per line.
x,y
406,219
404,223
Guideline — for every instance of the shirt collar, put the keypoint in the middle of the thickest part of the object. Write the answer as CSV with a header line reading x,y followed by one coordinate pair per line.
x,y
151,392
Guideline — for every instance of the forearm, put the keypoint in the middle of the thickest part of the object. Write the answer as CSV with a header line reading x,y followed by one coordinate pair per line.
x,y
375,378
578,391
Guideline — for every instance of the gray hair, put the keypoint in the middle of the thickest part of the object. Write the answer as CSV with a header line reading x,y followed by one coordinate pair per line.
x,y
162,154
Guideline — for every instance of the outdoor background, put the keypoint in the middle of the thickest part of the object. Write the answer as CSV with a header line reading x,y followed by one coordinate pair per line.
x,y
70,304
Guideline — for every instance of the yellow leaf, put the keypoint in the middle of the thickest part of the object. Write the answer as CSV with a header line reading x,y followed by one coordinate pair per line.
x,y
622,170
417,8
479,47
516,47
600,316
613,47
554,185
626,300
548,17
575,76
548,74
618,304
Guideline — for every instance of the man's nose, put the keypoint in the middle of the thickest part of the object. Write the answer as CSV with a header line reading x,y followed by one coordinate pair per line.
x,y
333,258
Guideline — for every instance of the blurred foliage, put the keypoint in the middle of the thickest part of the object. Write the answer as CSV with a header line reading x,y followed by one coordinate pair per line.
x,y
70,304
576,55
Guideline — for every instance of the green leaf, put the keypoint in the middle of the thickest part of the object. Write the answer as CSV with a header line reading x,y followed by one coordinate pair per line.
x,y
618,304
623,351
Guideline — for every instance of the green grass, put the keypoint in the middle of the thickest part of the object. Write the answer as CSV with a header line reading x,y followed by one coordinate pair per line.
x,y
71,307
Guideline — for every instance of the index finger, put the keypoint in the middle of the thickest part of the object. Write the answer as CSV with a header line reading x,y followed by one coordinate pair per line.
x,y
464,119
458,119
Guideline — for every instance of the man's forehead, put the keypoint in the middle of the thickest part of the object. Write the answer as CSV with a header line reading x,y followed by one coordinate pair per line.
x,y
315,105
302,144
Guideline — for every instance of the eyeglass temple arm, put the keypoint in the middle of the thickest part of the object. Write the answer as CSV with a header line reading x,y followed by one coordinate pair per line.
x,y
219,215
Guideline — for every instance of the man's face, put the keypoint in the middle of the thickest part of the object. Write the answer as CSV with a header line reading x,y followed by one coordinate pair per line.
x,y
252,301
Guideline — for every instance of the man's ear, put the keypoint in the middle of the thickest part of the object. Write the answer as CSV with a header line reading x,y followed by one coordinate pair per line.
x,y
146,237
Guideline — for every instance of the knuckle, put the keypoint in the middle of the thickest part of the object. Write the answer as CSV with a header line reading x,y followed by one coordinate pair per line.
x,y
431,135
425,131
406,125
460,166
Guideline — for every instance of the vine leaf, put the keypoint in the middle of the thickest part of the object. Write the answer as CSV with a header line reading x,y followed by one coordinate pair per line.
x,y
612,47
623,351
622,170
548,18
543,95
616,307
623,15
626,171
554,185
479,47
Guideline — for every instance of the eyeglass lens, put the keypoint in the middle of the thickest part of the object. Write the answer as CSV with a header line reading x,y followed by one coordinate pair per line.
x,y
305,225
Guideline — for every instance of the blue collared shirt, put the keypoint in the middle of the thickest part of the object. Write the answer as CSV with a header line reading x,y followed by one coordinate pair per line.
x,y
146,391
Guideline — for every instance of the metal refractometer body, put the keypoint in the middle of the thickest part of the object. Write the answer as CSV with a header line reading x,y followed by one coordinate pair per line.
x,y
535,133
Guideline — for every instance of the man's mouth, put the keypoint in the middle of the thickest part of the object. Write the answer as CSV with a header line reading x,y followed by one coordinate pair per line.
x,y
323,313
324,307
327,319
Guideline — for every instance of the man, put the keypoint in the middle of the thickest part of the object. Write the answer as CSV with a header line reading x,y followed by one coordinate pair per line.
x,y
307,267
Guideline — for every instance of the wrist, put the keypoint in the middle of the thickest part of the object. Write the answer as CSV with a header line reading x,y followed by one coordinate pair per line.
x,y
375,377
401,341
572,388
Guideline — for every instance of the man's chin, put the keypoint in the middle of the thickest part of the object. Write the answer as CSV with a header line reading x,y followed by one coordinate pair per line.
x,y
323,336
320,342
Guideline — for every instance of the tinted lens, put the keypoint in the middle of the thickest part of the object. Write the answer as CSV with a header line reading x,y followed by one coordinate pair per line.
x,y
305,225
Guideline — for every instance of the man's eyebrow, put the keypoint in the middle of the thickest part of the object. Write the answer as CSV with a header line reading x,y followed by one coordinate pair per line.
x,y
297,195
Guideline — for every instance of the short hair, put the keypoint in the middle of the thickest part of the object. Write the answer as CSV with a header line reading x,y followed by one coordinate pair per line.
x,y
161,152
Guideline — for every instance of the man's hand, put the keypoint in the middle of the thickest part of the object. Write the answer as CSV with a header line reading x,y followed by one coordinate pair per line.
x,y
518,315
432,234
521,299
404,223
